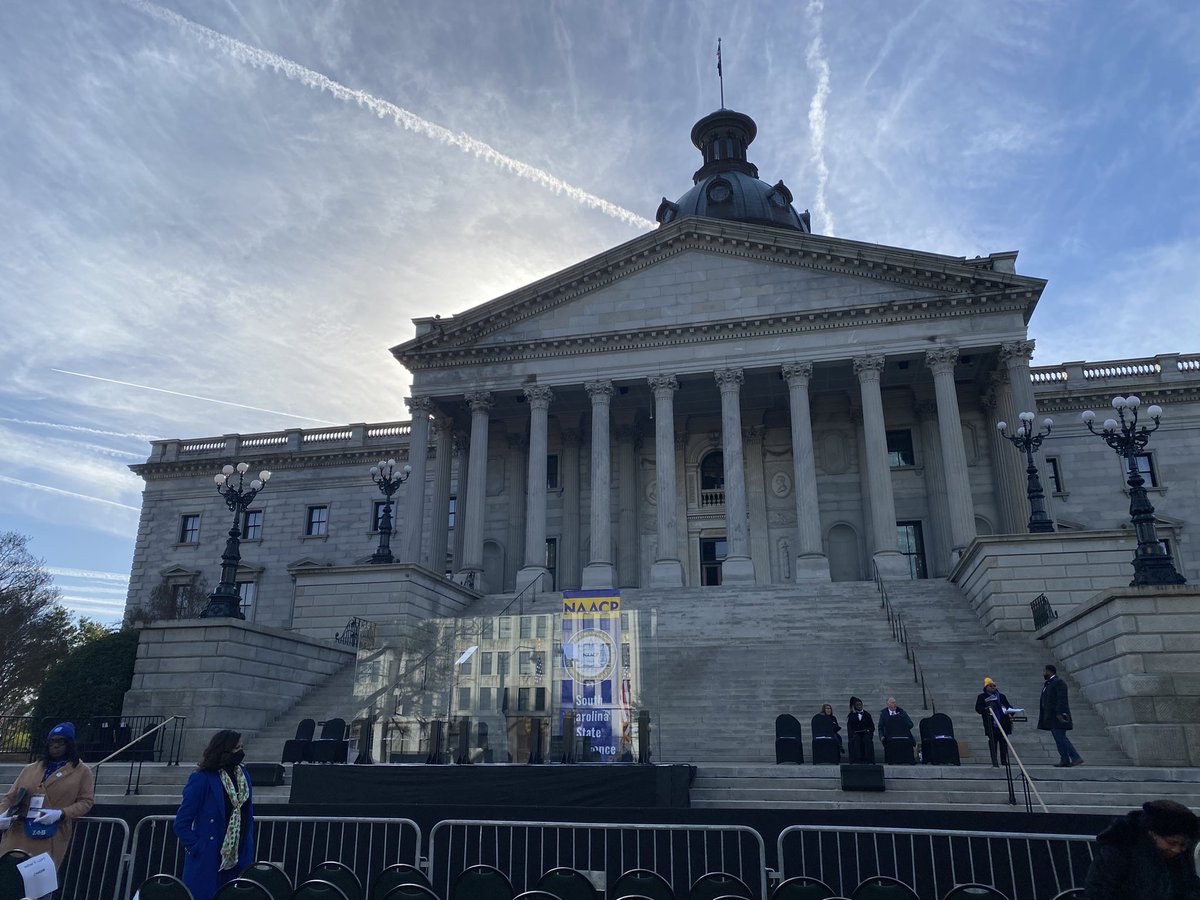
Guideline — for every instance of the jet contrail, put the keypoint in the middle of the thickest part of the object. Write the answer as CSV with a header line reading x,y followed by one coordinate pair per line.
x,y
146,387
81,428
819,65
263,59
87,573
33,485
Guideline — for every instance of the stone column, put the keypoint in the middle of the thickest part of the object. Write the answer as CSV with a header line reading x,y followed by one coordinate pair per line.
x,y
473,513
737,568
954,456
667,570
462,443
811,564
937,538
888,560
1007,465
753,438
568,548
628,570
515,465
599,574
1016,356
443,454
419,408
539,398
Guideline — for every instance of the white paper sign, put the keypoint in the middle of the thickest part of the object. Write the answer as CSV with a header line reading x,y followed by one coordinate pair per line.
x,y
39,875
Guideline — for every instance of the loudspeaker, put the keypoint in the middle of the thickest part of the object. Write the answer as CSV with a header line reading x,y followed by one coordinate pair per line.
x,y
862,777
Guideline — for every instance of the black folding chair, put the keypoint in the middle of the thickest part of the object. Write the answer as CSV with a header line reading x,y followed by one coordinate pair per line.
x,y
296,749
242,889
158,887
939,747
883,887
567,884
396,875
340,874
826,748
975,892
332,746
802,887
482,883
789,740
899,748
271,877
642,883
713,885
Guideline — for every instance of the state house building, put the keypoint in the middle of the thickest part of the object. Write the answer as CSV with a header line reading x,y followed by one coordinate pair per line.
x,y
728,399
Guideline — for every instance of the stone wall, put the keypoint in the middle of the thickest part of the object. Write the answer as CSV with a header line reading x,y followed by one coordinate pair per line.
x,y
1133,652
225,673
1001,574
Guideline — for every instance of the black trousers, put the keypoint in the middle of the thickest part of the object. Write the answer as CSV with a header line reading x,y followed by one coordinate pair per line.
x,y
862,747
994,740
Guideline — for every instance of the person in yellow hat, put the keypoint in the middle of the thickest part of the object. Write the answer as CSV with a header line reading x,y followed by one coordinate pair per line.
x,y
992,706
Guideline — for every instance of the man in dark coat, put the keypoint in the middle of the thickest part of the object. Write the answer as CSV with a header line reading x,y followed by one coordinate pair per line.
x,y
860,728
989,702
1146,855
1054,716
892,711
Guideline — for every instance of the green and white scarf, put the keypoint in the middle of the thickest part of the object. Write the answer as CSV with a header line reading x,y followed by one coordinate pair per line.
x,y
233,832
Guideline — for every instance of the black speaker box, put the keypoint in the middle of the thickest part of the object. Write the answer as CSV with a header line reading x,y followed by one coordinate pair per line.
x,y
862,777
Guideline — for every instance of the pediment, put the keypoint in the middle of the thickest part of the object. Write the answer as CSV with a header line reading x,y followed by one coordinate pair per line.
x,y
703,276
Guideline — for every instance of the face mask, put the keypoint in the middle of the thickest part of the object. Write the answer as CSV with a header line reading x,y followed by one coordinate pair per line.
x,y
235,758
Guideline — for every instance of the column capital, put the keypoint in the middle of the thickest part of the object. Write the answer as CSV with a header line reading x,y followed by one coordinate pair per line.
x,y
599,391
1014,353
538,395
419,406
479,401
753,433
797,374
663,385
571,437
925,410
942,359
442,424
868,368
729,379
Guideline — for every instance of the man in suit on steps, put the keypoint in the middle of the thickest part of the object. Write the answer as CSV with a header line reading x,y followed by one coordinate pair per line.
x,y
1055,716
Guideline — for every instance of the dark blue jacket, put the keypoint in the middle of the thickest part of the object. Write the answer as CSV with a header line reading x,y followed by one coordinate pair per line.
x,y
200,827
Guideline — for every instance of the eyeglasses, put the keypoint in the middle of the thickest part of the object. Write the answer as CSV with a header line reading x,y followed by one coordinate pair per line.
x,y
56,742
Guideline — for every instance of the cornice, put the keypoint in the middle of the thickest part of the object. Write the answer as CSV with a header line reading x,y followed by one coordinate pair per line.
x,y
276,461
941,276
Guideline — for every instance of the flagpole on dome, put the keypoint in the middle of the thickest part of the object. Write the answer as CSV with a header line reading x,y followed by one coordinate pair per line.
x,y
720,73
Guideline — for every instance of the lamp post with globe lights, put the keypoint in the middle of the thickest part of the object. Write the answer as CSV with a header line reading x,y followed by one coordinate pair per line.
x,y
1028,441
224,602
385,475
1151,562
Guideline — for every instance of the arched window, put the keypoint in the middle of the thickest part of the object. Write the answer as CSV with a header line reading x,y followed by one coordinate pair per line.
x,y
712,472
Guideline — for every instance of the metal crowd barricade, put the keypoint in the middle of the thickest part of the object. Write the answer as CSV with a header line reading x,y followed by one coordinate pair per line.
x,y
931,862
295,843
94,866
526,850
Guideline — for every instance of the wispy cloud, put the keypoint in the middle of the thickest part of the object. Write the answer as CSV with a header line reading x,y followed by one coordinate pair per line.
x,y
817,115
80,429
59,492
87,574
255,56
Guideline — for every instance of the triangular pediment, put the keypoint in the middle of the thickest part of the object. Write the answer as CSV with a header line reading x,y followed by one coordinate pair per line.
x,y
701,274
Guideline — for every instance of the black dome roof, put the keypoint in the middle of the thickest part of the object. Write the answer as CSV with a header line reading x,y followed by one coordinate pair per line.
x,y
727,186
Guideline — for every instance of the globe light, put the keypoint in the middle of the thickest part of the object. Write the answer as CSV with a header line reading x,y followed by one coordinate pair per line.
x,y
264,476
1110,424
407,469
1088,417
220,478
1118,402
1133,401
1155,412
256,485
1021,431
1047,423
1026,417
226,471
243,468
1000,426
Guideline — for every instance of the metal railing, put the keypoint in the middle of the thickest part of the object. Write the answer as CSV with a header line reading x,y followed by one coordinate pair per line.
x,y
1027,785
297,845
526,850
358,633
95,738
900,636
1029,866
1043,612
94,867
148,747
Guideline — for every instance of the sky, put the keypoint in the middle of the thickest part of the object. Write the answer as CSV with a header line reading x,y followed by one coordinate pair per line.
x,y
216,216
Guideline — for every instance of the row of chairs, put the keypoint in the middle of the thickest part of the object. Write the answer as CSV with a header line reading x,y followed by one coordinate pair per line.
x,y
939,747
335,881
333,746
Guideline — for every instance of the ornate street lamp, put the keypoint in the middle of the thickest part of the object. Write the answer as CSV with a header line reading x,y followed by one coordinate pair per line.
x,y
389,482
1151,561
224,602
1028,442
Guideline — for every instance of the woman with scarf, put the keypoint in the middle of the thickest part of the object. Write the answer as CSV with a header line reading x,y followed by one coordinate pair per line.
x,y
39,811
215,822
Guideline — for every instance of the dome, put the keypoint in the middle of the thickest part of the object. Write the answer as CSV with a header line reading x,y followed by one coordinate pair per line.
x,y
727,186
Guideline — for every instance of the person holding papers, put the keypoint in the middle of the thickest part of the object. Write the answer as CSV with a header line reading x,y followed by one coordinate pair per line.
x,y
990,702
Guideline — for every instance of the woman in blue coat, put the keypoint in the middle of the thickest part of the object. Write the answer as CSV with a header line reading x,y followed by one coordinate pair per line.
x,y
215,822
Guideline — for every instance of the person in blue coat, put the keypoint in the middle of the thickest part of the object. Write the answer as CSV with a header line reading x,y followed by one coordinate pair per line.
x,y
215,822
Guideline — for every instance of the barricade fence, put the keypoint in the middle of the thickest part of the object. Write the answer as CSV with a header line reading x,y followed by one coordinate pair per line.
x,y
1028,866
297,845
525,851
106,862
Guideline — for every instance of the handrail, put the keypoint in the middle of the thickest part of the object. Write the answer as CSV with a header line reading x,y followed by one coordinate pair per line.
x,y
130,786
521,593
900,636
1024,772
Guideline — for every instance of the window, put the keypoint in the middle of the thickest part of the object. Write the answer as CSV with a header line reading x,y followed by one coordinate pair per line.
x,y
523,696
468,665
377,515
464,698
485,698
1146,468
911,543
712,472
526,627
247,590
624,621
1054,474
485,665
453,510
543,626
712,553
505,628
489,628
252,525
525,663
317,522
189,529
625,659
552,472
502,662
900,449
552,564
539,699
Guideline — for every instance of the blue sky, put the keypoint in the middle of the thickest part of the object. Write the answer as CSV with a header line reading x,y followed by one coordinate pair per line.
x,y
182,212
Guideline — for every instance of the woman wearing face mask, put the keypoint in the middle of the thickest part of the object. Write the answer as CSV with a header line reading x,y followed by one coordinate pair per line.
x,y
215,822
39,810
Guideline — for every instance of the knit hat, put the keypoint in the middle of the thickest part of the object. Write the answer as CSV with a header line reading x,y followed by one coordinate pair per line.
x,y
1169,819
854,700
62,730
987,681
